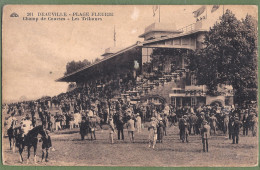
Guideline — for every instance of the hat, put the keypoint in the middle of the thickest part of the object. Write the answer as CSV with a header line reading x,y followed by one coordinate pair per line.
x,y
137,114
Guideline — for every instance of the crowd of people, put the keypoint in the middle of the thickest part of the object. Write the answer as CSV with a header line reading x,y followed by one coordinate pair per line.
x,y
80,109
99,104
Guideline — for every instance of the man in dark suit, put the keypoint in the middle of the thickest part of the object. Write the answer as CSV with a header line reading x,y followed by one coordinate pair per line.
x,y
46,145
245,123
193,120
236,129
120,124
205,133
183,126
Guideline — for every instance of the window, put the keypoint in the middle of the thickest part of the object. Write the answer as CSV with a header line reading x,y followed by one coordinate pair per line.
x,y
193,101
146,53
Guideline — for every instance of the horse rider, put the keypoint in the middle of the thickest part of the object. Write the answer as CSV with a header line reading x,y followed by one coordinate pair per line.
x,y
26,126
91,111
11,121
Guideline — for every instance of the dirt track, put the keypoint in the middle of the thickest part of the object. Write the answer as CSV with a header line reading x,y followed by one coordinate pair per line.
x,y
70,150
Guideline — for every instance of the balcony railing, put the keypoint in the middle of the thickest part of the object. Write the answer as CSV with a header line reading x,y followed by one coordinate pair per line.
x,y
191,27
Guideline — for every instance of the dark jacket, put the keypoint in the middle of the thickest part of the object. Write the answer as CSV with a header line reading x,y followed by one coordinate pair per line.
x,y
236,126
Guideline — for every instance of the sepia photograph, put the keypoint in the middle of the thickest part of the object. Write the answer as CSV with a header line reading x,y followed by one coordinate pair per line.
x,y
130,85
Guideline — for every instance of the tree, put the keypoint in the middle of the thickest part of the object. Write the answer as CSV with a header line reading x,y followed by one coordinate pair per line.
x,y
229,56
74,66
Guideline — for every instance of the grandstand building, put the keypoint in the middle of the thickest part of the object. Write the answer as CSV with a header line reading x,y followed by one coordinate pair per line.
x,y
158,67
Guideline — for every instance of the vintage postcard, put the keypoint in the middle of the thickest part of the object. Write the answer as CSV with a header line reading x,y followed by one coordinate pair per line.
x,y
130,85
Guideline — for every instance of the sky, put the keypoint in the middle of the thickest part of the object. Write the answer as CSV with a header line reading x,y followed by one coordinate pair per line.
x,y
35,54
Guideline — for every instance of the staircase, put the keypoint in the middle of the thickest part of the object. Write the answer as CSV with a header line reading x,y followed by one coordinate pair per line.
x,y
164,89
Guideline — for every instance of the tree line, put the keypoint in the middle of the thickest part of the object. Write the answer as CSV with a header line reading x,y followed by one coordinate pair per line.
x,y
73,66
229,56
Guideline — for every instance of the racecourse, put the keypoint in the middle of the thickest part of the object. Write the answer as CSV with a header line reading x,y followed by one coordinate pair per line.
x,y
69,150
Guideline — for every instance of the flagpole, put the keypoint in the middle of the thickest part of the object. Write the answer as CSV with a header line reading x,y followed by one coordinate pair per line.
x,y
159,13
206,12
114,36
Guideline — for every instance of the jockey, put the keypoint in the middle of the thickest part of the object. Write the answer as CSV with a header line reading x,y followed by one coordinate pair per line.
x,y
26,125
11,121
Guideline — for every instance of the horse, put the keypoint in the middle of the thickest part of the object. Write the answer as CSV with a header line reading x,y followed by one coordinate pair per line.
x,y
84,128
30,140
88,125
11,135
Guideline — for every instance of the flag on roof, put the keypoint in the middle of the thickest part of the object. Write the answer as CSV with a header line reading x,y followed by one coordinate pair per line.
x,y
199,11
114,33
214,8
155,8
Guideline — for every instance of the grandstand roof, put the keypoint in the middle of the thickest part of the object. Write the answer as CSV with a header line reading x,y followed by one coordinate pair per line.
x,y
72,77
77,75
